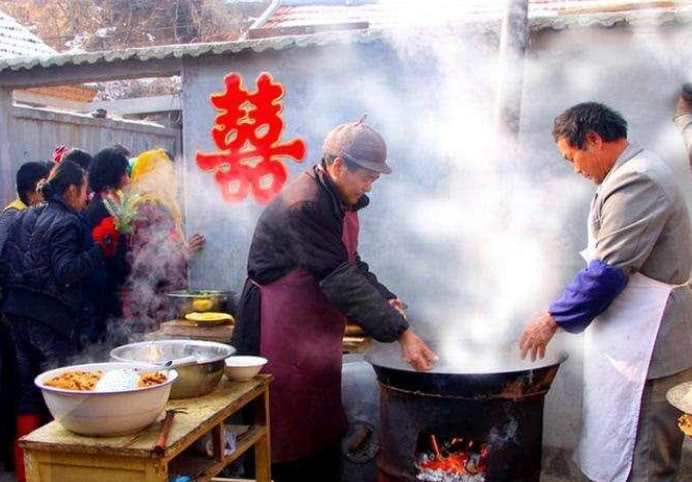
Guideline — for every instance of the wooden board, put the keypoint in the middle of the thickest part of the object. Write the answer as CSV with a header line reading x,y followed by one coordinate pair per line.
x,y
203,413
354,340
189,330
353,330
356,344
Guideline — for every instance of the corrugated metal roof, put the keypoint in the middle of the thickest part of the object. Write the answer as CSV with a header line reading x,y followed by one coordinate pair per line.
x,y
376,15
291,16
187,50
550,17
16,40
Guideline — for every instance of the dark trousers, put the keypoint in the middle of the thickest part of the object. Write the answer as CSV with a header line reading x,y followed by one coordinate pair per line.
x,y
9,393
324,466
39,348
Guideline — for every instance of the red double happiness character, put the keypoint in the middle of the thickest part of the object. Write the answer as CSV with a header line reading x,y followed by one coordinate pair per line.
x,y
247,133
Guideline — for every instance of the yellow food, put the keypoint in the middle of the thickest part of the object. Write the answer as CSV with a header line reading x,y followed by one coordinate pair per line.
x,y
685,424
87,381
75,380
202,304
151,379
211,317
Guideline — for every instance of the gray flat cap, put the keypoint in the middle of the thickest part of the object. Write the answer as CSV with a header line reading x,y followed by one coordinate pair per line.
x,y
360,144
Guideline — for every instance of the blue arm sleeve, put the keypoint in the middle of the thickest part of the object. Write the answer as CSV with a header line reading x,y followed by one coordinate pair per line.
x,y
591,291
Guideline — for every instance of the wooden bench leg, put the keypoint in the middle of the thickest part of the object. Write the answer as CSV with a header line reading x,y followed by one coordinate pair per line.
x,y
218,442
263,462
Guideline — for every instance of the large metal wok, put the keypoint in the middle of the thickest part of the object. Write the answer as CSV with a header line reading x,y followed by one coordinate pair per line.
x,y
482,394
467,370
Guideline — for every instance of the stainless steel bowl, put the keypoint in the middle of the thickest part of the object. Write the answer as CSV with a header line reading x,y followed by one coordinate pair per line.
x,y
200,364
188,301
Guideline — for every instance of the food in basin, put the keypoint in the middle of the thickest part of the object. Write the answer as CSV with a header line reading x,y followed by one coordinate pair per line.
x,y
106,399
188,301
98,381
199,363
209,318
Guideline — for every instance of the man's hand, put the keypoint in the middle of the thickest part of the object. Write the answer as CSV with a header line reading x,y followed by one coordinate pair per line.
x,y
399,306
684,105
537,335
416,352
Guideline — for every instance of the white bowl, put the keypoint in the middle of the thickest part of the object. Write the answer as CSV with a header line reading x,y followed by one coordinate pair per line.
x,y
243,368
106,413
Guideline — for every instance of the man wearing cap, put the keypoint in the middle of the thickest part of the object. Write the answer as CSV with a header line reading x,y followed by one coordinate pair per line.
x,y
305,279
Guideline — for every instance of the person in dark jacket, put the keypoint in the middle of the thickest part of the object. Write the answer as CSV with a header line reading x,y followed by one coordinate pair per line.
x,y
28,176
82,158
305,278
43,264
107,177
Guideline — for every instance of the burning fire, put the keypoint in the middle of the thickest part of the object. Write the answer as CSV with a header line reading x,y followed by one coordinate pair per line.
x,y
457,461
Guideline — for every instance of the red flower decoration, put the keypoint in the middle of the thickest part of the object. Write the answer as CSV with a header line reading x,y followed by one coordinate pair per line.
x,y
59,152
106,236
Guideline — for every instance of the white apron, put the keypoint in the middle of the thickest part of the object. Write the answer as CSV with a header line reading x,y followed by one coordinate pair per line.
x,y
618,345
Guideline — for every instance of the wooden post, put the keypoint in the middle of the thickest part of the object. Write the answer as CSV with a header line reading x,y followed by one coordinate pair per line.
x,y
513,42
263,455
6,162
218,442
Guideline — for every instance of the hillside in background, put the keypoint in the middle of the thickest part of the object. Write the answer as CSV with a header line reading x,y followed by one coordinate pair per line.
x,y
88,25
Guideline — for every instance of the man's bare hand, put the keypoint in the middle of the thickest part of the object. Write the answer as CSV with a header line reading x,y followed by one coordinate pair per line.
x,y
684,105
537,335
399,306
416,352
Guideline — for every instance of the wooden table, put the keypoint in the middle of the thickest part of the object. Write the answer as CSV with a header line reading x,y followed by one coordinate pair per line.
x,y
54,454
355,340
355,344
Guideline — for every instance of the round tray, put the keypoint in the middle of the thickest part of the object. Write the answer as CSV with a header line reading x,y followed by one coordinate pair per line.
x,y
678,397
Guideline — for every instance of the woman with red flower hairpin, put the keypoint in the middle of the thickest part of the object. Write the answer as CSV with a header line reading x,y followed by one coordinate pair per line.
x,y
59,152
107,177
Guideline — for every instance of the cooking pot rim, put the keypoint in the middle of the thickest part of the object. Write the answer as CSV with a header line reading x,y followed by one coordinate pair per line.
x,y
225,350
379,360
192,294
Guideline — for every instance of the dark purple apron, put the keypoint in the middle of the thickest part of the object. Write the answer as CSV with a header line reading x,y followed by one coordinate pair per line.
x,y
301,336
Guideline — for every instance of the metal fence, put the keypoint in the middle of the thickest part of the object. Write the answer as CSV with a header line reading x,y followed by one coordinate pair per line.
x,y
36,133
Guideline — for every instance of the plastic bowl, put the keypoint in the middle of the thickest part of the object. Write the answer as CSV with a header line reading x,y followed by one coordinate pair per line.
x,y
243,368
107,413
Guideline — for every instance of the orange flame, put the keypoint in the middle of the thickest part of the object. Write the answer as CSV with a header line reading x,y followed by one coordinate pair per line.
x,y
460,462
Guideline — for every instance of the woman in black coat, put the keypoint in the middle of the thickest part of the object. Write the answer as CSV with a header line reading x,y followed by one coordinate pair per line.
x,y
43,262
107,177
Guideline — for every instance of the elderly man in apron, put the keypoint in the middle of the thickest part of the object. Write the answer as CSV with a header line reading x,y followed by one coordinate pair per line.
x,y
633,300
305,280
